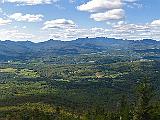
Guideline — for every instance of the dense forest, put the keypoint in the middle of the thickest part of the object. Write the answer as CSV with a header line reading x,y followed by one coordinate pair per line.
x,y
94,81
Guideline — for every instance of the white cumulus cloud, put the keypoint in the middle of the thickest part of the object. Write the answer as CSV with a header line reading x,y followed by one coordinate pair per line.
x,y
30,2
15,34
156,22
115,14
26,17
100,5
105,10
121,30
59,24
4,21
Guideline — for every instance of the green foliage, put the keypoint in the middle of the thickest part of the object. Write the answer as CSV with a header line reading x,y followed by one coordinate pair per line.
x,y
76,88
143,106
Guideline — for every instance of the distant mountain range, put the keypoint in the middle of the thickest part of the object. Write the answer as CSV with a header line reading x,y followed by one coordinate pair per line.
x,y
27,49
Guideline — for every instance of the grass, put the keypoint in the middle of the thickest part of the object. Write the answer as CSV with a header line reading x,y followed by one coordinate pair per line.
x,y
8,70
28,73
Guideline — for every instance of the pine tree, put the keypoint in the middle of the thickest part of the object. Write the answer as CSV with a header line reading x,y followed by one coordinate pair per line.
x,y
145,93
124,109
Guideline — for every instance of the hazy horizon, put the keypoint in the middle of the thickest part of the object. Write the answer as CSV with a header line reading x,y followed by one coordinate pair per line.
x,y
34,41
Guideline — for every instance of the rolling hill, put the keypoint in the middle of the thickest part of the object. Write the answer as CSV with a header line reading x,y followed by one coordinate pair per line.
x,y
10,50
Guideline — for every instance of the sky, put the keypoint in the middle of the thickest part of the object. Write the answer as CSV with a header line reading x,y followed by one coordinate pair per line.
x,y
41,20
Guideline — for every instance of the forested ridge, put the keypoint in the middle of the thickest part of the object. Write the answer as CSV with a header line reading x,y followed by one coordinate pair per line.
x,y
118,80
23,50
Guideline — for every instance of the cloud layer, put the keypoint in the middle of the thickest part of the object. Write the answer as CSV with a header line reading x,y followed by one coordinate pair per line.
x,y
26,17
15,34
4,21
100,5
59,24
30,2
115,14
119,30
104,10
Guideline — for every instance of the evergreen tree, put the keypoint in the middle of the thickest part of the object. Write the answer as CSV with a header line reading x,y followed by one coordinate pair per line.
x,y
124,109
143,107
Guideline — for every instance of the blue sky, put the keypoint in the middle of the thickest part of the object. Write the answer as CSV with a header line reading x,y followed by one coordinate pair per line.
x,y
40,20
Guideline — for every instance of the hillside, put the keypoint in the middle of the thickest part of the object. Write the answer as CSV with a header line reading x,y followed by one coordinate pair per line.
x,y
10,50
83,79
